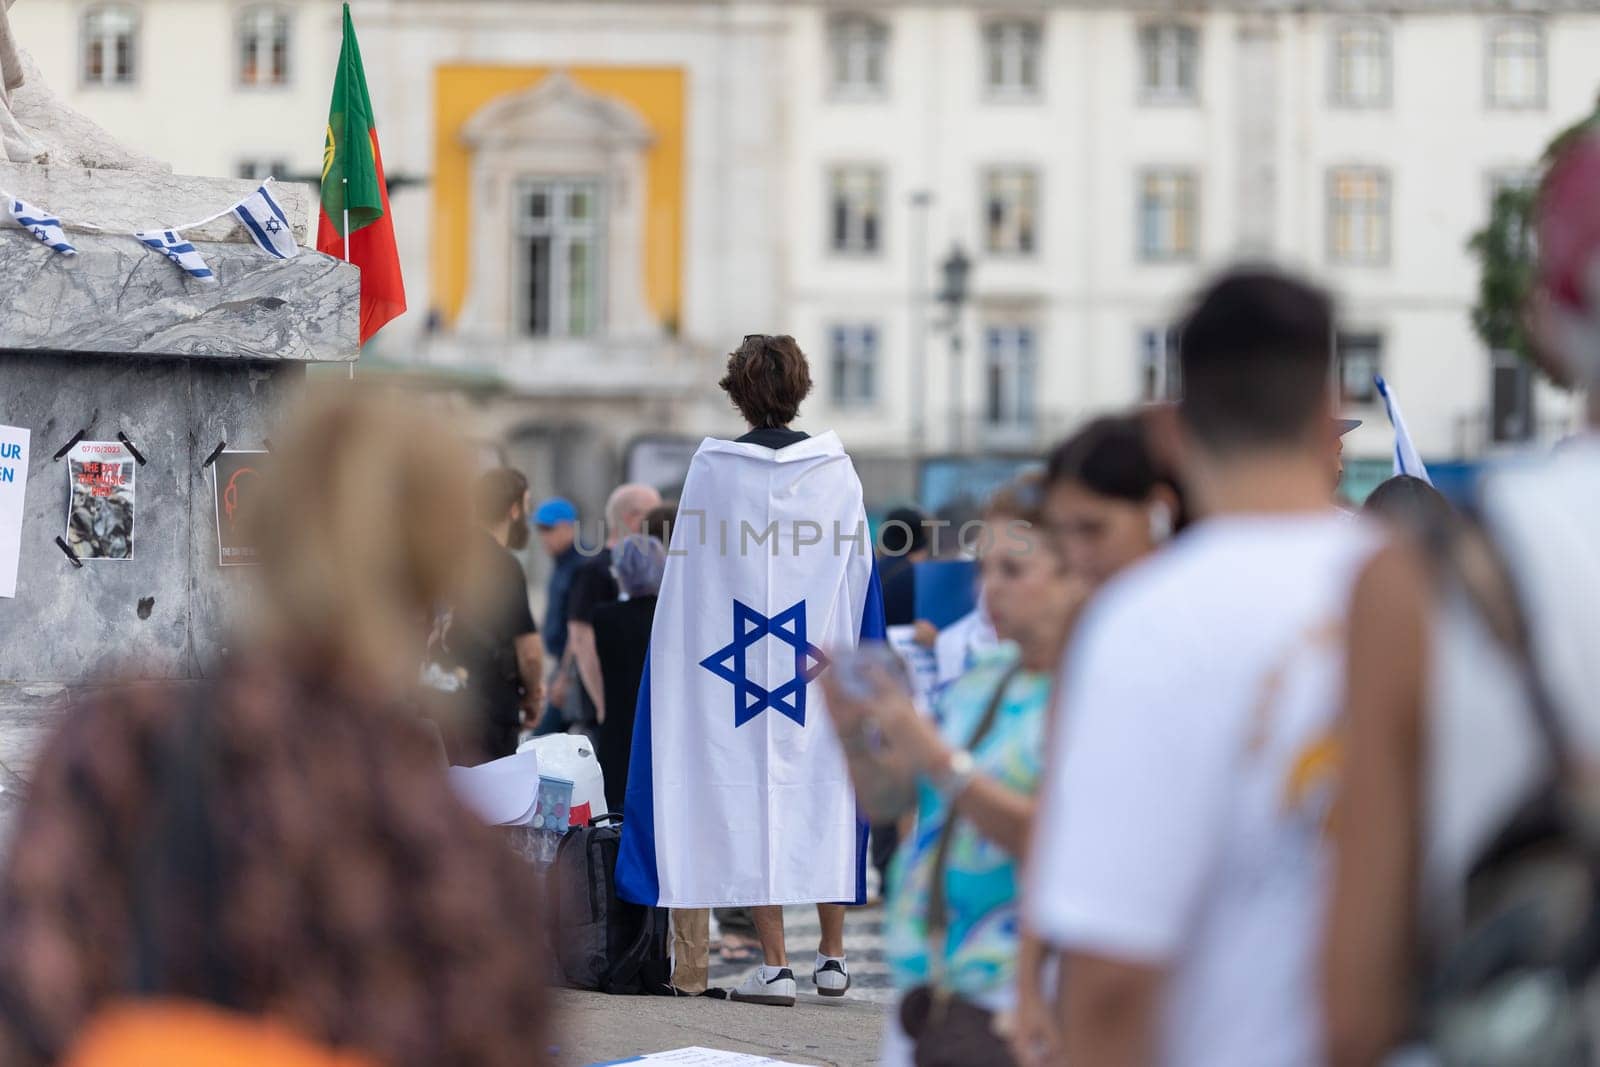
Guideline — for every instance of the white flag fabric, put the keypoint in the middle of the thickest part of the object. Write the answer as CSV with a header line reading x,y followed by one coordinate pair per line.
x,y
738,793
1407,460
266,224
43,225
177,248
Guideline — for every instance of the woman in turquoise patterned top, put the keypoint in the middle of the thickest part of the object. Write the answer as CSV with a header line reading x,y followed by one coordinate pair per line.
x,y
901,760
1106,505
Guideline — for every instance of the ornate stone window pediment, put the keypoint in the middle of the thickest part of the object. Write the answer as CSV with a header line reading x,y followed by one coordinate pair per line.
x,y
529,279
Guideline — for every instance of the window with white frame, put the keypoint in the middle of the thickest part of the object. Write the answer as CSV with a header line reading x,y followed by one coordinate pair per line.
x,y
853,357
110,45
1358,216
1360,356
1012,50
1361,58
855,210
1010,364
1167,214
1160,372
1516,61
1169,62
261,167
1011,211
859,45
560,228
263,46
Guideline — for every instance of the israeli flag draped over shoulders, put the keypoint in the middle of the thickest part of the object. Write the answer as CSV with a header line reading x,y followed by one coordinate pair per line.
x,y
738,793
264,220
177,248
43,225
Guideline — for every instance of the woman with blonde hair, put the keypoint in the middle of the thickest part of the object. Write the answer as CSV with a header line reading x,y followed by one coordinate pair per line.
x,y
278,846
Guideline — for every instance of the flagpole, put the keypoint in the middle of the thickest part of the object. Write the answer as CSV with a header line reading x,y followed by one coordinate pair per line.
x,y
352,367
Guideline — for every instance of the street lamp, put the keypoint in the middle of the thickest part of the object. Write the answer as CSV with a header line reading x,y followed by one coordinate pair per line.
x,y
957,270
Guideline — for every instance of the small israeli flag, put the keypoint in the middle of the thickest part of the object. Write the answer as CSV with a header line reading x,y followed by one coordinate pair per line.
x,y
177,248
1407,460
44,226
267,225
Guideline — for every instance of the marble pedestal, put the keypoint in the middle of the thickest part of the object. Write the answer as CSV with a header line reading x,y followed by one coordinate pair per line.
x,y
118,340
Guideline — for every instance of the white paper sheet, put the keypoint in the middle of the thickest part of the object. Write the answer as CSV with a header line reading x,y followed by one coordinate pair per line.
x,y
13,487
502,792
703,1057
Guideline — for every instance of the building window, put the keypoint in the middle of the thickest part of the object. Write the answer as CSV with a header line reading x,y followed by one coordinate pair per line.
x,y
110,34
1516,63
262,168
1160,372
1360,358
263,47
1012,51
1167,210
1011,211
1522,181
1511,414
854,355
1009,371
855,210
1360,64
860,47
1358,216
1169,62
559,242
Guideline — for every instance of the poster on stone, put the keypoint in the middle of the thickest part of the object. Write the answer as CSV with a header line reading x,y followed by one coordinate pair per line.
x,y
13,484
100,502
233,480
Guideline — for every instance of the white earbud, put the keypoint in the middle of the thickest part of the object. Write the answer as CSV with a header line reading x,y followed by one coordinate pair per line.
x,y
1160,523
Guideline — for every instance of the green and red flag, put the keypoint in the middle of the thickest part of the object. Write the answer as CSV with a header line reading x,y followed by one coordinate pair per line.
x,y
353,189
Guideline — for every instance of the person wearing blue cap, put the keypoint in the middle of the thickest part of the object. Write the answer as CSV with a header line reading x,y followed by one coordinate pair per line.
x,y
556,522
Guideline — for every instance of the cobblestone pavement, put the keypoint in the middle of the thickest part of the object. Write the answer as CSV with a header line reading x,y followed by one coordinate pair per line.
x,y
863,946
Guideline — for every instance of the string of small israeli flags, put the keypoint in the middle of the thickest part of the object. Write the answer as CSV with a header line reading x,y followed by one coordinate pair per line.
x,y
260,213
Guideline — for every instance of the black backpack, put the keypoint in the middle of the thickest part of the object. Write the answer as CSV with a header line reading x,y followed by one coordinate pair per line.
x,y
601,941
1515,987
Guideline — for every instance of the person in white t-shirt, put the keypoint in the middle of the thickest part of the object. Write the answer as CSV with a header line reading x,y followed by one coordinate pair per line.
x,y
1179,858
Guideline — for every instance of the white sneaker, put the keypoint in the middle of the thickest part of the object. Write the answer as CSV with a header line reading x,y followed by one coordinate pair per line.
x,y
830,976
774,986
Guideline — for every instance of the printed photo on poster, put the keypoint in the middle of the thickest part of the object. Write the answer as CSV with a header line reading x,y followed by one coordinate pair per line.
x,y
233,479
100,503
13,487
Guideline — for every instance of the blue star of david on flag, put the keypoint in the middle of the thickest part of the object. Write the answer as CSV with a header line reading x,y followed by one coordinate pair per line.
x,y
731,663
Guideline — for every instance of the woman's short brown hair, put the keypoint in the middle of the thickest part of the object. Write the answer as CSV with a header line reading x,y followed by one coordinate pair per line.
x,y
767,378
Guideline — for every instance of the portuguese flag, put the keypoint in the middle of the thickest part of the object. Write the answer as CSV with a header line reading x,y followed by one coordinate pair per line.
x,y
352,177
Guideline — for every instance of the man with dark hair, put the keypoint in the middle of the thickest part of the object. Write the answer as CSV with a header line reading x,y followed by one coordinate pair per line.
x,y
492,633
735,723
1179,858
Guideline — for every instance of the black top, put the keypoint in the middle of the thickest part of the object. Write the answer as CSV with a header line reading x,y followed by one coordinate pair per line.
x,y
773,437
592,585
622,639
483,638
898,576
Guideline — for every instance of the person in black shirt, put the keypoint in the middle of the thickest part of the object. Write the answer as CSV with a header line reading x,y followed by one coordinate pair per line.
x,y
594,585
622,642
492,633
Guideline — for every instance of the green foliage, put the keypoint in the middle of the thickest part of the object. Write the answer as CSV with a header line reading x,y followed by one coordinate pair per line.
x,y
1504,249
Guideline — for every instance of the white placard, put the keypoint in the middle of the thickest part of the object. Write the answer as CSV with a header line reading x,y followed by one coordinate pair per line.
x,y
13,487
703,1057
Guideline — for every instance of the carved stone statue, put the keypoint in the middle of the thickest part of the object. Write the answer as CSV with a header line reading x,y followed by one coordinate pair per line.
x,y
36,127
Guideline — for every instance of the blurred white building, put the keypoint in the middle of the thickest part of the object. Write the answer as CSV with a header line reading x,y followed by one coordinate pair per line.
x,y
597,200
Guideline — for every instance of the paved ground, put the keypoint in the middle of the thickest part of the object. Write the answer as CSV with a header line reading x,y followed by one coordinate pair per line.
x,y
596,1028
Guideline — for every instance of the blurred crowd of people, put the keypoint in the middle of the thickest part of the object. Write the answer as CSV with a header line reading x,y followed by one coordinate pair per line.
x,y
1242,777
